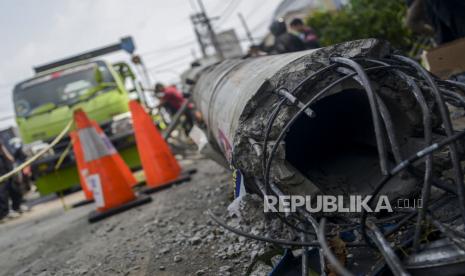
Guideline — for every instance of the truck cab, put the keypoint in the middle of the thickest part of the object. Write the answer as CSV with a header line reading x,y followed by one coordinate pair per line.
x,y
45,104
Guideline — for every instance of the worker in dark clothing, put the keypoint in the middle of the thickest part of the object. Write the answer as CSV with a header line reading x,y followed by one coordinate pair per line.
x,y
305,33
8,189
443,18
22,179
285,42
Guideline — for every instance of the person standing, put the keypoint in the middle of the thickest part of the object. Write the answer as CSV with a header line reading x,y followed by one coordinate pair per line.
x,y
8,189
285,42
305,33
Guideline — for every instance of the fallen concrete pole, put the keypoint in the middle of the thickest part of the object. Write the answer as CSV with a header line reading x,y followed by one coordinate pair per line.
x,y
237,98
339,120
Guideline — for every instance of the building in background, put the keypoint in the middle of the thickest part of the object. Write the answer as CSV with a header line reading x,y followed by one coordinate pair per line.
x,y
229,44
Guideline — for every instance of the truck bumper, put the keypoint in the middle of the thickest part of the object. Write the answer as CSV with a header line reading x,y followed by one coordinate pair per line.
x,y
67,177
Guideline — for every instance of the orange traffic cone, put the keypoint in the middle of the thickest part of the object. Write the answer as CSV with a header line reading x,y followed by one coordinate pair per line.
x,y
118,159
110,187
161,169
82,170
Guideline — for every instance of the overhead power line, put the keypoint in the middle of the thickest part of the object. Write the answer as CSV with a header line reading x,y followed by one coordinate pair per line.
x,y
228,12
219,6
171,61
261,24
165,56
169,48
169,66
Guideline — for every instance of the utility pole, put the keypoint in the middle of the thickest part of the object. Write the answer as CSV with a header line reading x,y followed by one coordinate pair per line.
x,y
211,32
195,21
202,19
246,27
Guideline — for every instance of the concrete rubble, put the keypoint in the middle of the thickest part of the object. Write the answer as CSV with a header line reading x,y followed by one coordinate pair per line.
x,y
337,121
171,236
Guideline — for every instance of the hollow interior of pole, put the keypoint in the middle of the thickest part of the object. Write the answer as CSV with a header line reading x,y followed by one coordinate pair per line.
x,y
337,149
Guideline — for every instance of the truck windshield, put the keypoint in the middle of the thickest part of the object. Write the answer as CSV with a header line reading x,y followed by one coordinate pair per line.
x,y
58,88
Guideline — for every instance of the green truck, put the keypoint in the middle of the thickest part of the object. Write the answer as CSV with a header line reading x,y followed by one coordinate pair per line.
x,y
44,105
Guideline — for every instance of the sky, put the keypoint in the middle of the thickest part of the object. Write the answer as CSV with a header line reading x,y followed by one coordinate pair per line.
x,y
36,32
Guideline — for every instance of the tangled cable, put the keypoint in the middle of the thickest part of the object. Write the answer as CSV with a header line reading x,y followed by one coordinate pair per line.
x,y
421,86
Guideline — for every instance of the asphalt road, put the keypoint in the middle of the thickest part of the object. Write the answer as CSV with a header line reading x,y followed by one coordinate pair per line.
x,y
169,236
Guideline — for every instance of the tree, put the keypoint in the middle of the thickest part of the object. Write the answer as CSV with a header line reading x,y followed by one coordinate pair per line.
x,y
359,19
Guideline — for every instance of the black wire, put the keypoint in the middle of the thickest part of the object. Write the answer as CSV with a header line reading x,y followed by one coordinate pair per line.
x,y
270,240
448,128
460,101
402,166
372,99
273,116
386,250
451,234
387,120
284,130
456,83
427,127
297,115
273,151
426,190
436,205
336,264
270,122
291,121
305,80
260,238
287,222
275,113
